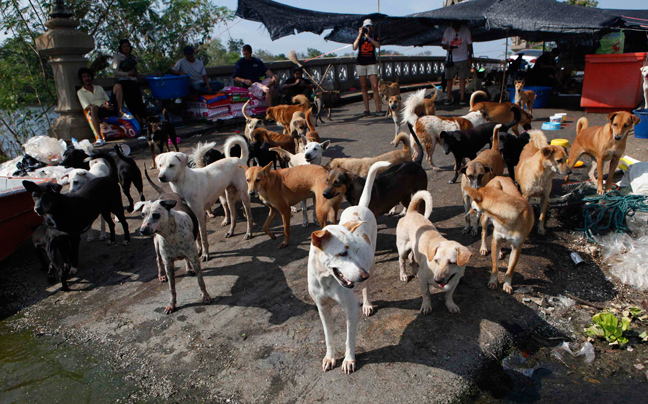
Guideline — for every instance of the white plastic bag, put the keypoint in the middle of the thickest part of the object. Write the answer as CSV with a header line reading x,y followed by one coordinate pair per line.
x,y
45,149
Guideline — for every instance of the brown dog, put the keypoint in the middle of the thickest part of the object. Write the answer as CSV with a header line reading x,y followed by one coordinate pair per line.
x,y
275,139
501,112
298,125
393,108
281,189
283,114
605,143
539,163
360,166
325,99
388,89
524,98
312,134
477,173
417,106
512,217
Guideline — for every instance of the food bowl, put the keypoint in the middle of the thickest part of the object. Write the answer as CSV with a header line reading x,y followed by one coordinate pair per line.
x,y
551,126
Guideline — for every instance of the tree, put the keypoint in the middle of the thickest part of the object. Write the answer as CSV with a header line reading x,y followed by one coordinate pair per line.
x,y
235,45
312,53
583,3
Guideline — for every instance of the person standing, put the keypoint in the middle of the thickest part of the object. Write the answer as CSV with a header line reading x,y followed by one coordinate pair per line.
x,y
199,80
249,70
126,89
457,40
367,66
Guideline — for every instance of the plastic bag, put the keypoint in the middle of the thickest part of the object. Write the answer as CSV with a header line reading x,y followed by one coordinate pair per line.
x,y
45,149
627,258
586,350
611,43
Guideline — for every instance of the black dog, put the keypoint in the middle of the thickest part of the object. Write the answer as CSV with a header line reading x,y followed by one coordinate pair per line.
x,y
262,156
128,173
510,146
160,132
75,158
57,252
394,185
464,144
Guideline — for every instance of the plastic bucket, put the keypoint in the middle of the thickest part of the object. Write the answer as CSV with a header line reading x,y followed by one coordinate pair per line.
x,y
555,118
541,95
169,86
641,129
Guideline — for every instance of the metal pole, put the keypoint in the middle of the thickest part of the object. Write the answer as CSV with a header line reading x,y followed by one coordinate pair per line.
x,y
504,73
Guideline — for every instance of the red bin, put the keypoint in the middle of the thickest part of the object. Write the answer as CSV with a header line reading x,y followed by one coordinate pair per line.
x,y
613,82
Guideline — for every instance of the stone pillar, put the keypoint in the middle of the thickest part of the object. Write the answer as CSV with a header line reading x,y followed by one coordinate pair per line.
x,y
64,47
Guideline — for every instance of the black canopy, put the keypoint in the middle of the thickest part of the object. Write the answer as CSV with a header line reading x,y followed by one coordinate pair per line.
x,y
488,20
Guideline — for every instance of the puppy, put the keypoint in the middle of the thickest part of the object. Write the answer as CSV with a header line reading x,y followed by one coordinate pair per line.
x,y
604,143
174,239
159,133
511,147
326,99
57,252
394,104
512,218
282,114
340,257
644,74
500,112
200,187
442,262
298,125
274,139
281,189
539,163
360,166
251,123
466,143
477,173
524,98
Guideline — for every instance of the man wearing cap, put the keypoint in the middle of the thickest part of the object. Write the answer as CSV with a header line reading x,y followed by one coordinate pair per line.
x,y
196,70
457,40
249,70
366,65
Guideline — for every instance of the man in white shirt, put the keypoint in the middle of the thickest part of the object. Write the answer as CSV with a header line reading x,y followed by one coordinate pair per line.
x,y
94,100
457,40
196,69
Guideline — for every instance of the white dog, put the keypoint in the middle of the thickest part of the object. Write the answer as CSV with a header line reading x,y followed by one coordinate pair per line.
x,y
340,257
437,261
251,123
200,187
644,74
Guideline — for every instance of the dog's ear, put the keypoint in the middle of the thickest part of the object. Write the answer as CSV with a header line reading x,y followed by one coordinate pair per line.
x,y
184,159
31,187
463,255
547,152
443,135
139,205
635,119
474,194
56,188
462,170
611,115
168,204
487,169
303,140
352,226
325,144
319,237
456,135
267,168
243,167
83,173
431,252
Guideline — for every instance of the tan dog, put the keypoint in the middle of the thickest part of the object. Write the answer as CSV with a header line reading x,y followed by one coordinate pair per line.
x,y
275,139
394,104
251,123
298,125
283,114
477,173
442,262
605,143
539,163
312,135
524,98
388,89
500,112
281,189
360,166
512,217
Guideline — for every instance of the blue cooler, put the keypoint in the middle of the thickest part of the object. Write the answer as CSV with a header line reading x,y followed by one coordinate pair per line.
x,y
641,129
169,86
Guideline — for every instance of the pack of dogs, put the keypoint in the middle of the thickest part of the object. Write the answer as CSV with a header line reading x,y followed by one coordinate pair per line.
x,y
284,169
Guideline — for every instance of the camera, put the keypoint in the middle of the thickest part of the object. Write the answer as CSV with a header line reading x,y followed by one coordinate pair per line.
x,y
364,30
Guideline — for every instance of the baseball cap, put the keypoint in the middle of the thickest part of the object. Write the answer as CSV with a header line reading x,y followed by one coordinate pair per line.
x,y
367,22
188,50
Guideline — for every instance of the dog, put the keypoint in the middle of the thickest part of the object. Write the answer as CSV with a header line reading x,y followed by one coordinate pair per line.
x,y
524,98
477,173
466,143
58,253
274,139
298,125
604,143
340,257
476,80
282,114
250,123
75,158
160,132
386,90
394,104
539,163
128,173
281,189
500,112
435,260
512,218
644,74
200,187
511,147
360,166
175,236
395,185
326,99
312,134
417,106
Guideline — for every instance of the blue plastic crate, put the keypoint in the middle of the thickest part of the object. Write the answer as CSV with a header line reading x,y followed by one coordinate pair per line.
x,y
541,95
641,129
169,86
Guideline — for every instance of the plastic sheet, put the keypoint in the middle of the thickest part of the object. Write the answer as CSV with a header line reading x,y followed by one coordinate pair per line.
x,y
586,350
45,149
627,258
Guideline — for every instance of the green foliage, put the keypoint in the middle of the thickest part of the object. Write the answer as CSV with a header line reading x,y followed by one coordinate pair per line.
x,y
606,325
583,3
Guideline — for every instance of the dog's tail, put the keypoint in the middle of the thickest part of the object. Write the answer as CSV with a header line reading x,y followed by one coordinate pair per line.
x,y
301,100
403,137
436,91
365,198
308,120
474,95
496,132
111,162
409,116
424,196
153,185
419,156
582,124
517,115
197,155
240,141
121,155
396,75
538,138
245,115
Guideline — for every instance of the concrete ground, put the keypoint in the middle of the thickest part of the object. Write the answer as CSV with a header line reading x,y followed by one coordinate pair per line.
x,y
261,339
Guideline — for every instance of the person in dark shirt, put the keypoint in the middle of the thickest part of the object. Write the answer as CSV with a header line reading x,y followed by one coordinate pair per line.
x,y
298,85
249,70
545,72
366,65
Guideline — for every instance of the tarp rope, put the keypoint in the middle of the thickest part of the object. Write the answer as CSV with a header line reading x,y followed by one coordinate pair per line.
x,y
608,212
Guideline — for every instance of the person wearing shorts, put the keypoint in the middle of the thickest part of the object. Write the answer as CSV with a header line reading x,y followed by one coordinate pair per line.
x,y
367,66
457,40
95,101
126,89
